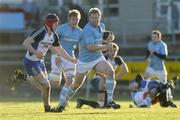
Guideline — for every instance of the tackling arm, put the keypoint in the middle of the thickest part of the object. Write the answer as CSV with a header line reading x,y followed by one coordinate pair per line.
x,y
147,54
124,70
61,52
160,55
97,47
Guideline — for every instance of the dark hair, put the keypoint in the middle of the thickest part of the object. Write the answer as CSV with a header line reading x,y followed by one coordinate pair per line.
x,y
50,19
51,16
106,34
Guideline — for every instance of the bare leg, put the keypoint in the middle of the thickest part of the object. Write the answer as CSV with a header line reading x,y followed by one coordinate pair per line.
x,y
79,80
101,93
106,68
41,78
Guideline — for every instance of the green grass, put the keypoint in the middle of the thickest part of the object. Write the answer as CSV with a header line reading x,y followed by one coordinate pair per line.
x,y
23,109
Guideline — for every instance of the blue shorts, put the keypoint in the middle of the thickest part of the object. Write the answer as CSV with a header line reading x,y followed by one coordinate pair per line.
x,y
34,67
95,83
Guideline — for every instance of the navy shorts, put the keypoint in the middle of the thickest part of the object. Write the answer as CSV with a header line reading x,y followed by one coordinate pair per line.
x,y
34,67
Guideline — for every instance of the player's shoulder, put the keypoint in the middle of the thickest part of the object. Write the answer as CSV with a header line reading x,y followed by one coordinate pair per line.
x,y
79,29
88,29
56,35
163,43
39,31
87,26
62,26
150,42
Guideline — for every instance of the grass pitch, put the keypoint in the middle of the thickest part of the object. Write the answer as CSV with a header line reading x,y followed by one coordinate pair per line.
x,y
24,109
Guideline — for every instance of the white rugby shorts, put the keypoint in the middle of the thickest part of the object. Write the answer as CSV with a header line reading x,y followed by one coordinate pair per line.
x,y
83,67
160,74
66,66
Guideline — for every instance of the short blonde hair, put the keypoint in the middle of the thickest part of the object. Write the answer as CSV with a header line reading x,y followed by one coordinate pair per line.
x,y
158,33
74,13
94,11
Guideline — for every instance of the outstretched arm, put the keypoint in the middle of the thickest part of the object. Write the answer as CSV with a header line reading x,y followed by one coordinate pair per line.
x,y
124,70
97,47
160,55
147,54
61,52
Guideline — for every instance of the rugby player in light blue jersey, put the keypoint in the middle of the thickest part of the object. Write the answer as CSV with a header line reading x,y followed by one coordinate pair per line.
x,y
91,57
37,45
157,53
98,81
70,34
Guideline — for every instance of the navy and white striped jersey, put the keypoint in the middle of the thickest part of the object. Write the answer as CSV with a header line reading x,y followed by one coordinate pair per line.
x,y
42,42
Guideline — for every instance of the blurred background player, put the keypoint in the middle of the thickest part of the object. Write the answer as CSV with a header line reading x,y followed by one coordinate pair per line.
x,y
98,82
91,57
145,92
157,53
37,45
70,34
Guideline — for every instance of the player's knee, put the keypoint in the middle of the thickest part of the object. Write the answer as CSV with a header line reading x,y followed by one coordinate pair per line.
x,y
69,80
45,84
78,81
101,87
54,80
55,84
77,84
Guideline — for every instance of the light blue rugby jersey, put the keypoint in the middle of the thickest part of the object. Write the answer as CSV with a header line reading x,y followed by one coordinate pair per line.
x,y
155,62
69,37
91,36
